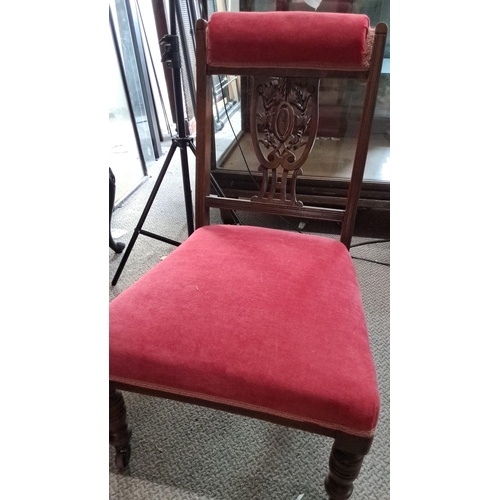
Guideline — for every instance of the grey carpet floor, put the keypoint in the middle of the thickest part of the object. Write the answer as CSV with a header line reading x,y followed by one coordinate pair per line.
x,y
188,453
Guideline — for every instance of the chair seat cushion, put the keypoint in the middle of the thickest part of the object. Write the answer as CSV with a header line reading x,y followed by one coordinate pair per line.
x,y
257,318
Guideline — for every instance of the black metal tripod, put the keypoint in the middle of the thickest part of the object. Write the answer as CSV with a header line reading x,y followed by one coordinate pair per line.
x,y
171,57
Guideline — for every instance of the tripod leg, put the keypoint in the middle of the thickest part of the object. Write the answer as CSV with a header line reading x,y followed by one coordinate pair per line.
x,y
138,228
187,191
191,147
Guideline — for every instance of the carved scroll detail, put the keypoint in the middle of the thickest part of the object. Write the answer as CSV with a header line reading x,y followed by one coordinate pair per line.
x,y
283,123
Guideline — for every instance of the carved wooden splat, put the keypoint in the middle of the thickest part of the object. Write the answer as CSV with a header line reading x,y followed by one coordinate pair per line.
x,y
283,125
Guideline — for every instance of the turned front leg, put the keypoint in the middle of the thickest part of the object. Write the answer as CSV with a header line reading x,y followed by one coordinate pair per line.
x,y
119,433
344,469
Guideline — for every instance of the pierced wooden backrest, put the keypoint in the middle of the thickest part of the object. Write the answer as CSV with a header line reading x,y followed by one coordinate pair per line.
x,y
283,126
284,109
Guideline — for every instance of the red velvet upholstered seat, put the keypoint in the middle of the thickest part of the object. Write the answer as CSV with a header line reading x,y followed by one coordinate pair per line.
x,y
256,318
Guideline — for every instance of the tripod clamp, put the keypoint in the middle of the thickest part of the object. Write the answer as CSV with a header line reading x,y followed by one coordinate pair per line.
x,y
171,55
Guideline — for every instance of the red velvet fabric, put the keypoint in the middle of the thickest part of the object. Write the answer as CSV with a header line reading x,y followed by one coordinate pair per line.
x,y
306,40
258,318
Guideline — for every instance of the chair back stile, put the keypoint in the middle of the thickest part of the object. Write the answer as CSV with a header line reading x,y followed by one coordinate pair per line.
x,y
368,113
204,126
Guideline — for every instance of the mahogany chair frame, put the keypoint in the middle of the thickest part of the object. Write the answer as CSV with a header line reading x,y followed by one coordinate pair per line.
x,y
348,450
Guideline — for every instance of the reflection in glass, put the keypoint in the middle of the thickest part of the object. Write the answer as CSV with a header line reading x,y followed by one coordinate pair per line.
x,y
127,51
227,112
124,157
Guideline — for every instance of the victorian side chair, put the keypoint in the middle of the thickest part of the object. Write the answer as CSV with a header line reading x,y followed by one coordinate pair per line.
x,y
262,322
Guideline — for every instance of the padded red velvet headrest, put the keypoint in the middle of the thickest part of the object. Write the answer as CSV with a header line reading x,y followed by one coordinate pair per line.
x,y
305,40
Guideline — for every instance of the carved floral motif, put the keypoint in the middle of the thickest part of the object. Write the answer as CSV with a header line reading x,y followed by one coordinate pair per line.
x,y
284,124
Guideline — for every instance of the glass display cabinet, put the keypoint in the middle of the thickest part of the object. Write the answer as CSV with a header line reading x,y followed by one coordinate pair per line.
x,y
340,101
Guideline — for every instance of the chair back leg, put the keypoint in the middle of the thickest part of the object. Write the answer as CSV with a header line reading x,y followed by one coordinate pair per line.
x,y
119,432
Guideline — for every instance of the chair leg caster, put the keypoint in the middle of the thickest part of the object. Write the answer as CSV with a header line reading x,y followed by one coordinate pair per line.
x,y
344,469
122,458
